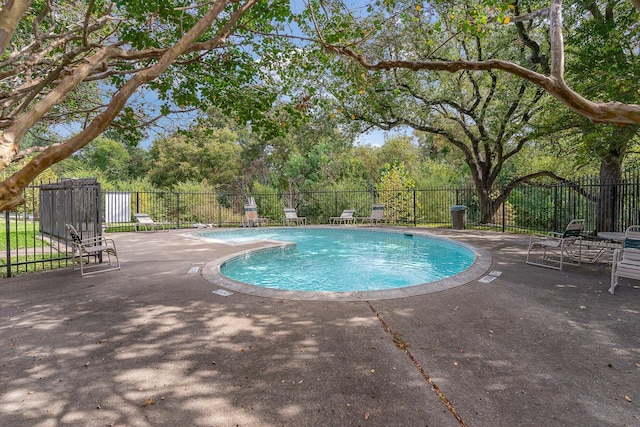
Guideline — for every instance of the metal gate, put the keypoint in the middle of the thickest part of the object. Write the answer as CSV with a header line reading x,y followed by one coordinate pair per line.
x,y
71,201
35,234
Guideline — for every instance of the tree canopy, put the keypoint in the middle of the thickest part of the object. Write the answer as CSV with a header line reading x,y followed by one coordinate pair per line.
x,y
350,35
80,62
475,73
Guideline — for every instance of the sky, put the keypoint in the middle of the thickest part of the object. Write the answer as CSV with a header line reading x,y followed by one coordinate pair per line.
x,y
377,137
166,125
374,138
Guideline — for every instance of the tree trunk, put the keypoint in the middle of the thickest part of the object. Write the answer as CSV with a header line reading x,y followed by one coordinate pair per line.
x,y
608,207
486,205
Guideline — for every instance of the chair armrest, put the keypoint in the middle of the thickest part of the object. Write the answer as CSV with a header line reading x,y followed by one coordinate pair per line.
x,y
617,254
89,240
543,236
631,255
97,241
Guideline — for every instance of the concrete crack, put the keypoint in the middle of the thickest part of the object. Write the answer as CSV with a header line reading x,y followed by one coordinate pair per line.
x,y
399,341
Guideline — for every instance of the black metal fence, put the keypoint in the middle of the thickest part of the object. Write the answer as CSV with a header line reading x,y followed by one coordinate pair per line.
x,y
529,208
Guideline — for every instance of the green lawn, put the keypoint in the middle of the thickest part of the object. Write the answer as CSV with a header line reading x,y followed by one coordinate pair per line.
x,y
49,262
22,236
26,240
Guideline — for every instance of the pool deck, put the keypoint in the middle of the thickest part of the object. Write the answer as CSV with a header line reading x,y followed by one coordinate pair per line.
x,y
153,345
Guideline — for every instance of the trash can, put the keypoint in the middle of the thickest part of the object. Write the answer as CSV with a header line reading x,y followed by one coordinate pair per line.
x,y
459,216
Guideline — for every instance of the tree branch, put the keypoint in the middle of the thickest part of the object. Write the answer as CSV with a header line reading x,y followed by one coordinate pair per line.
x,y
10,16
24,153
598,112
11,189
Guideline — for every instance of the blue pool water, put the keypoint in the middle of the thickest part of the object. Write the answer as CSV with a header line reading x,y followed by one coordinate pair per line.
x,y
339,260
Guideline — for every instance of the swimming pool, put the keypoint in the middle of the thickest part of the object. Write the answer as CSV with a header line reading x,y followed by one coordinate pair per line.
x,y
342,260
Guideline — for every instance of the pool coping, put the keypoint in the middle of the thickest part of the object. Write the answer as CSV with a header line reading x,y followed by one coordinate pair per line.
x,y
211,273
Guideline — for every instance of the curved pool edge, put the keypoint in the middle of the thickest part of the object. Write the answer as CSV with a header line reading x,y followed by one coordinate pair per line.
x,y
482,264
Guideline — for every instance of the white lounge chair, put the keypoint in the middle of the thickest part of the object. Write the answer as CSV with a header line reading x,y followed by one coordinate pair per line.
x,y
377,215
92,247
626,261
345,218
558,248
291,216
251,218
203,225
144,220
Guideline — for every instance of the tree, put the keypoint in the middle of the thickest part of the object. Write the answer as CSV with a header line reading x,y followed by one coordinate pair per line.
x,y
106,155
606,66
315,153
489,117
398,149
347,35
64,53
393,188
199,154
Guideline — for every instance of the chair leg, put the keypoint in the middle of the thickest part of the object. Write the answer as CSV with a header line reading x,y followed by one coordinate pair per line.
x,y
562,249
545,258
109,253
528,253
82,265
77,266
549,261
614,277
614,283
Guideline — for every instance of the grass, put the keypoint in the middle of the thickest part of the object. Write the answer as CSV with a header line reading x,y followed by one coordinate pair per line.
x,y
22,235
24,238
119,227
32,263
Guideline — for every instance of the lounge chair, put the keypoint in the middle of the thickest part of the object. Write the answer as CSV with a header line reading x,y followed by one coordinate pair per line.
x,y
144,220
92,247
291,216
558,248
204,225
377,215
345,218
251,218
626,261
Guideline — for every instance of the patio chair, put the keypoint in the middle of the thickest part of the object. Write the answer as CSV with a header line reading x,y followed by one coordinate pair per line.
x,y
377,215
291,216
626,261
251,218
558,248
345,218
92,247
144,220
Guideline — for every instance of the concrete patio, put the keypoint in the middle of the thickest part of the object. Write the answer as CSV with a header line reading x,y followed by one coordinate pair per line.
x,y
152,345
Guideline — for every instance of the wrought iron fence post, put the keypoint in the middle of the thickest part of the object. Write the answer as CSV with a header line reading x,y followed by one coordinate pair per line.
x,y
7,217
504,214
178,210
415,218
614,205
555,207
219,211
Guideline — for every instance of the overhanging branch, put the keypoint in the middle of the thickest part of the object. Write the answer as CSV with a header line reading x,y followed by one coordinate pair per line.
x,y
11,189
598,112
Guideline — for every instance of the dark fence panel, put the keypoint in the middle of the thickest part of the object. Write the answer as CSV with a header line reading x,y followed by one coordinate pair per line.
x,y
72,201
34,237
